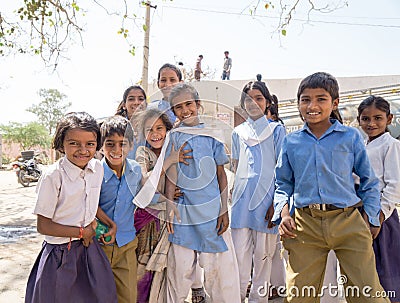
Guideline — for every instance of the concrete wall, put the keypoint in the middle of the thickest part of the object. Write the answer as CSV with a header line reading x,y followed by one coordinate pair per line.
x,y
219,98
228,92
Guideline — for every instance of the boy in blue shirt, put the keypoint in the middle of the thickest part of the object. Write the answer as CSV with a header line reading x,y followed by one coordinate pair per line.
x,y
315,167
121,182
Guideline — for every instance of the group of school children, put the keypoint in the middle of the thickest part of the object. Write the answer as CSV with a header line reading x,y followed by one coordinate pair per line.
x,y
162,191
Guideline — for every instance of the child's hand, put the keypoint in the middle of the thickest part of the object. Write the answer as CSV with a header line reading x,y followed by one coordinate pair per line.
x,y
112,231
178,193
373,229
89,232
222,223
180,155
269,215
287,227
172,211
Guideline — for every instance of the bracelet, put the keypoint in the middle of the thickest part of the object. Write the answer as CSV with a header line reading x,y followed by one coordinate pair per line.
x,y
80,232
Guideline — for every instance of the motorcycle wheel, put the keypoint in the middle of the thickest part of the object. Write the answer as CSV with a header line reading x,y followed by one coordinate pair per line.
x,y
22,178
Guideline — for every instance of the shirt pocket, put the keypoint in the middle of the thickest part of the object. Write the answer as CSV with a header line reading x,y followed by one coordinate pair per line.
x,y
342,162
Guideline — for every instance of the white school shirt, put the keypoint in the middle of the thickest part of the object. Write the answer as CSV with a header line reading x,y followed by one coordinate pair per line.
x,y
69,195
384,156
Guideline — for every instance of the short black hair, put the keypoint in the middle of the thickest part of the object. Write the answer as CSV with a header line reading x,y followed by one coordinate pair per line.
x,y
75,120
116,125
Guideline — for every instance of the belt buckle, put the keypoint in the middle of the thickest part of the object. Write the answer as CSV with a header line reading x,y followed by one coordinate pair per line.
x,y
314,206
317,206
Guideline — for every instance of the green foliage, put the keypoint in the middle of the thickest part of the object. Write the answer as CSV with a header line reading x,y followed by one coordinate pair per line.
x,y
49,28
5,159
50,109
132,50
40,27
28,135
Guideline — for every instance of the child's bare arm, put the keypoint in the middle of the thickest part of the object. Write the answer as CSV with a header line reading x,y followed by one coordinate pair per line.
x,y
234,165
112,226
269,215
223,218
287,225
170,186
46,226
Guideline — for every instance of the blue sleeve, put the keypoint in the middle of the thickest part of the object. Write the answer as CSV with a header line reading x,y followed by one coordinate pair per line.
x,y
219,153
235,146
284,182
279,134
368,190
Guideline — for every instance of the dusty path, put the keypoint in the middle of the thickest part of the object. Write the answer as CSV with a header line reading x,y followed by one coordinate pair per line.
x,y
17,255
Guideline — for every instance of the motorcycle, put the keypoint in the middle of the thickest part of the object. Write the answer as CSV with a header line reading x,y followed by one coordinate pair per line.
x,y
27,171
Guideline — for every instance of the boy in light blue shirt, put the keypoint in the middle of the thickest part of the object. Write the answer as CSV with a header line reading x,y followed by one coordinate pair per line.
x,y
315,167
121,182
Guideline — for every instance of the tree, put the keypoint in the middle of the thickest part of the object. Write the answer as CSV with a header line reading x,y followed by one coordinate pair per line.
x,y
49,27
51,109
53,25
26,135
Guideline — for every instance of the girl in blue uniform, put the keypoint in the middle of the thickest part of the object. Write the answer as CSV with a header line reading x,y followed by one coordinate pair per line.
x,y
255,148
199,221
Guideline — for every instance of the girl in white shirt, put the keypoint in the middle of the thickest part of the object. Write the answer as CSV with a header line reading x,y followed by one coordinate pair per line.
x,y
383,151
71,266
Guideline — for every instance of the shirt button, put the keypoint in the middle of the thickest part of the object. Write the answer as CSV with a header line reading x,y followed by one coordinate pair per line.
x,y
319,174
321,190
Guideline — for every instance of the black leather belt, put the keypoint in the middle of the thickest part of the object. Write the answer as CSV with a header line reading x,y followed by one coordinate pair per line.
x,y
327,207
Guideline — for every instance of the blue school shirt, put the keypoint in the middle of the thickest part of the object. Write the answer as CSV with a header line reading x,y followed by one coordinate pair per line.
x,y
320,171
165,107
116,197
249,209
136,144
200,204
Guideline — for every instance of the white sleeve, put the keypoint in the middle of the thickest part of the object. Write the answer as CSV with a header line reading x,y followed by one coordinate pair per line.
x,y
48,190
391,177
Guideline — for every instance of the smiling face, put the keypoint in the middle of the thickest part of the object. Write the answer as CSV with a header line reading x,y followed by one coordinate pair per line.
x,y
79,146
116,148
374,121
168,79
186,109
135,102
155,132
315,106
255,104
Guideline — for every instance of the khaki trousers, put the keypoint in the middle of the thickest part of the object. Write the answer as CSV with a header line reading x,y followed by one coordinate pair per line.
x,y
124,266
343,231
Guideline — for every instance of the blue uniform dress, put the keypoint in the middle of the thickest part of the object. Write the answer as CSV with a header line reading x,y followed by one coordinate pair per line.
x,y
165,107
254,187
116,198
200,204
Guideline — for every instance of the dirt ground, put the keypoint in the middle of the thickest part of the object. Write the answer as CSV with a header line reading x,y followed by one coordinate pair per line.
x,y
19,241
